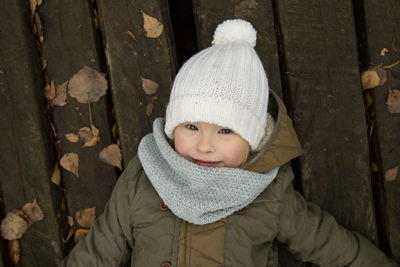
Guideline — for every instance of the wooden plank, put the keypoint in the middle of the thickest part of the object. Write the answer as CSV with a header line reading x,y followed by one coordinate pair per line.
x,y
132,57
324,93
27,158
381,27
70,43
208,14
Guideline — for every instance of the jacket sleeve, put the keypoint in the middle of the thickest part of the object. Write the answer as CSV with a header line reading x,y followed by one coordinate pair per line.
x,y
110,238
314,235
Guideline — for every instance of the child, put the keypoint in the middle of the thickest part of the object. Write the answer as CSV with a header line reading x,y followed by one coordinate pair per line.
x,y
212,185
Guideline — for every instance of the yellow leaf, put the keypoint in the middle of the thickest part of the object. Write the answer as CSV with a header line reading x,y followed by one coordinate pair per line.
x,y
88,85
70,162
79,234
383,52
111,155
73,138
56,176
152,26
373,77
86,217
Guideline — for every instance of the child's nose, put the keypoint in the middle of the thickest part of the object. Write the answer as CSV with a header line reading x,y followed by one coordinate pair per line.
x,y
205,145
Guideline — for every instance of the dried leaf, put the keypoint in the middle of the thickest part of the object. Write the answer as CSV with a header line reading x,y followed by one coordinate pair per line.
x,y
89,136
111,155
152,26
70,221
56,176
86,217
88,85
79,234
149,109
60,95
114,130
373,77
383,52
85,134
33,211
391,65
391,175
33,4
149,86
13,226
13,246
393,101
131,35
39,27
70,162
50,91
73,138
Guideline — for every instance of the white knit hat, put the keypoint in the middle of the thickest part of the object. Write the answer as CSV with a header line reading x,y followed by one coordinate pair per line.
x,y
224,84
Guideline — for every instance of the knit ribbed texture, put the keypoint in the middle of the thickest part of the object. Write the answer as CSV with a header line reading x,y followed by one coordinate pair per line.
x,y
197,194
224,84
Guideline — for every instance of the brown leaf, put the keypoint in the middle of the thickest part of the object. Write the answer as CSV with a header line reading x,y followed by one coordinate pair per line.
x,y
86,217
33,211
383,51
114,130
70,221
39,27
149,109
70,162
60,95
56,176
393,101
373,77
50,91
111,155
391,175
88,85
13,226
73,138
13,246
79,234
152,26
85,134
149,86
89,136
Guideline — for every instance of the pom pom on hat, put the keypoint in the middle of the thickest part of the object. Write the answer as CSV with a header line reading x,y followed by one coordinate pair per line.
x,y
224,84
235,30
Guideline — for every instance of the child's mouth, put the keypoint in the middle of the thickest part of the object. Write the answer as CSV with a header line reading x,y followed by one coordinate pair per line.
x,y
206,163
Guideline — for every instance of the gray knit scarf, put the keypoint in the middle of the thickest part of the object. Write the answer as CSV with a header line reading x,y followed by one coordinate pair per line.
x,y
195,193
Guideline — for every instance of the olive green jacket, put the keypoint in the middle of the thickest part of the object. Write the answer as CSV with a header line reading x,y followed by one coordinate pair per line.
x,y
137,228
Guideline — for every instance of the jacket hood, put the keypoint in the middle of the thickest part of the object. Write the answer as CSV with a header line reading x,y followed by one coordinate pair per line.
x,y
282,144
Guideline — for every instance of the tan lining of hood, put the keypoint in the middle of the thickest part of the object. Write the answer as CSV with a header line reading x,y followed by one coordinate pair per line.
x,y
281,147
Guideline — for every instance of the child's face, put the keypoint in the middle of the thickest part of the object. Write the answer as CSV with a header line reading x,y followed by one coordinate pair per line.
x,y
210,145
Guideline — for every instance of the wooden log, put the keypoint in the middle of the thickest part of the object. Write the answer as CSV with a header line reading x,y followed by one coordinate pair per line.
x,y
70,43
141,65
381,43
324,93
27,159
208,14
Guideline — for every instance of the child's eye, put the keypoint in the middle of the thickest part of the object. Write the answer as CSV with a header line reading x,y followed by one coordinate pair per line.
x,y
225,131
191,127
